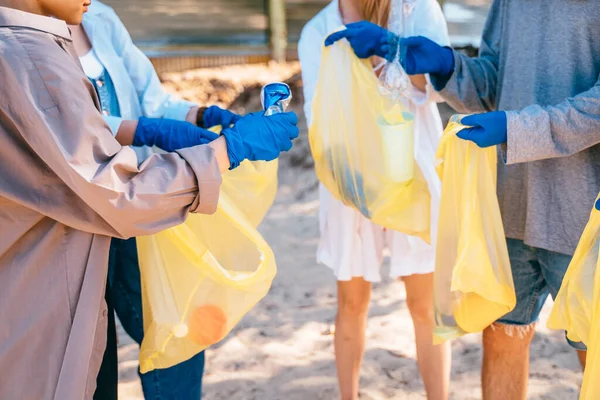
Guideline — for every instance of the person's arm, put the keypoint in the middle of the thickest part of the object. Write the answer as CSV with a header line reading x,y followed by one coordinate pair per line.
x,y
90,182
538,132
473,86
155,102
419,82
125,131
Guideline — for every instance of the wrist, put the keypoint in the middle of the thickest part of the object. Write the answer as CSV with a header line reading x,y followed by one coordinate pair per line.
x,y
126,133
199,120
440,78
144,133
448,62
393,42
234,146
222,154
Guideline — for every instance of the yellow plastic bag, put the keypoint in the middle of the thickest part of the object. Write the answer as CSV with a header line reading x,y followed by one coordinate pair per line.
x,y
473,279
252,186
200,278
363,145
577,305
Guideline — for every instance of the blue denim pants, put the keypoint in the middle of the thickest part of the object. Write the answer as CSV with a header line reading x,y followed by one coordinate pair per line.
x,y
537,273
181,382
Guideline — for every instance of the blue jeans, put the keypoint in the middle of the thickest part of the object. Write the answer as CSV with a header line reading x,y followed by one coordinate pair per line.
x,y
537,273
181,382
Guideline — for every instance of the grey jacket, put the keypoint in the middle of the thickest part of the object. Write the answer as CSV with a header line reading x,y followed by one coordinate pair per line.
x,y
540,61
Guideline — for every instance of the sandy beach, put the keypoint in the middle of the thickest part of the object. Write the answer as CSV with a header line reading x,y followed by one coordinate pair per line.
x,y
283,349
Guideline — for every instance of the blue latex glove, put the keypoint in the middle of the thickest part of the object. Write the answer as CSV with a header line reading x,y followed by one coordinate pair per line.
x,y
485,130
256,137
367,39
419,55
214,116
170,135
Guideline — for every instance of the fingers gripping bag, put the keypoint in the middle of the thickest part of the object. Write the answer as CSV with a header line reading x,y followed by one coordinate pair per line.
x,y
473,281
198,280
363,145
577,305
252,186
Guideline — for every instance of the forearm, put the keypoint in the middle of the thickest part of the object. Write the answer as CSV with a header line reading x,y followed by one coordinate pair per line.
x,y
220,148
126,133
195,115
472,86
537,132
419,82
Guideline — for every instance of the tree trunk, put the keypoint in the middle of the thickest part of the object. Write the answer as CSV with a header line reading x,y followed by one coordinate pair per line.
x,y
277,29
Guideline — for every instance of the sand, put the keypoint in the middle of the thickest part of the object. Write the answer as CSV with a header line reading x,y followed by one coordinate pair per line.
x,y
283,349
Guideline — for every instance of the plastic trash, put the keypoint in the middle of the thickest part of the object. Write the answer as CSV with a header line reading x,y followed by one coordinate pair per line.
x,y
363,145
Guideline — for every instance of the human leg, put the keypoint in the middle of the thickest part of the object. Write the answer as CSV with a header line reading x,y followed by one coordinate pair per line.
x,y
350,326
107,382
433,360
505,370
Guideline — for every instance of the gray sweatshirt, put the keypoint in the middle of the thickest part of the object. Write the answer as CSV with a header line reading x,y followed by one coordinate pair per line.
x,y
540,59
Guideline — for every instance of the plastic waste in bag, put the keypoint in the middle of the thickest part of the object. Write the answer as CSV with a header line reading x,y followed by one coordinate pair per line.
x,y
198,280
363,145
577,305
201,277
473,279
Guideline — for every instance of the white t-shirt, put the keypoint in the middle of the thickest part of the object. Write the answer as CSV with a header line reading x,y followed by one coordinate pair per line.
x,y
92,66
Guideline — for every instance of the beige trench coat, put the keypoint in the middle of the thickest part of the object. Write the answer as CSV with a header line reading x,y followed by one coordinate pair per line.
x,y
66,188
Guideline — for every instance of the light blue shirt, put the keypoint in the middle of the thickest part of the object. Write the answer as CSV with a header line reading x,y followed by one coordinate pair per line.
x,y
138,89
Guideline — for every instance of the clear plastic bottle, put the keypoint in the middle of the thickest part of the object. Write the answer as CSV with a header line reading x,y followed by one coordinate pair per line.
x,y
275,97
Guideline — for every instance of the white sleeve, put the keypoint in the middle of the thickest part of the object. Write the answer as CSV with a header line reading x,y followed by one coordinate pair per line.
x,y
309,54
154,100
428,21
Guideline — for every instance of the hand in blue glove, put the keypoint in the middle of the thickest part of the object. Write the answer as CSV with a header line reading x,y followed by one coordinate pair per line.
x,y
485,130
419,55
367,39
170,135
214,116
256,137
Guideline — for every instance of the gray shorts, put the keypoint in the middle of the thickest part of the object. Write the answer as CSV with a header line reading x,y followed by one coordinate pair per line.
x,y
537,273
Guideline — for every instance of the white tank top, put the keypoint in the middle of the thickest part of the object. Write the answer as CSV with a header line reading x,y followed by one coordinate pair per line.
x,y
92,66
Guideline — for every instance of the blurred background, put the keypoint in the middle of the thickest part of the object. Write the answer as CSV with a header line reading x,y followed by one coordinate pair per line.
x,y
222,52
199,33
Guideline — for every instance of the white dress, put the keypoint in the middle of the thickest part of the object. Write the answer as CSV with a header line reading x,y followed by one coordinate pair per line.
x,y
350,244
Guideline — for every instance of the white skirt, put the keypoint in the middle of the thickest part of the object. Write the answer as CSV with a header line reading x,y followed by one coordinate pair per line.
x,y
352,246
